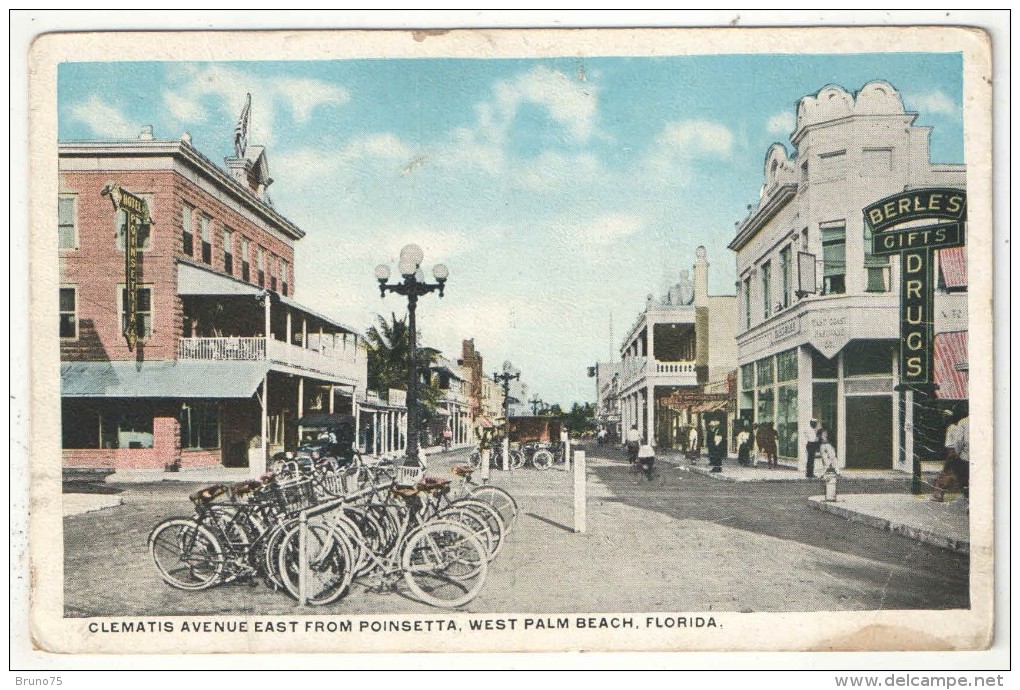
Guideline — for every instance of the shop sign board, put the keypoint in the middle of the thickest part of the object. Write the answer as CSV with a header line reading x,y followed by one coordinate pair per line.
x,y
916,246
136,224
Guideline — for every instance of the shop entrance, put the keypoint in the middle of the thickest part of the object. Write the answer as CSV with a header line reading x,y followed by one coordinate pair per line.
x,y
869,436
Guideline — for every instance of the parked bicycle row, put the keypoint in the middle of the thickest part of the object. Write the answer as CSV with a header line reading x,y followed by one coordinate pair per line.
x,y
538,455
334,523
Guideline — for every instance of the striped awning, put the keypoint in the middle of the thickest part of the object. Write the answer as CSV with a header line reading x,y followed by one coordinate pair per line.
x,y
951,365
953,265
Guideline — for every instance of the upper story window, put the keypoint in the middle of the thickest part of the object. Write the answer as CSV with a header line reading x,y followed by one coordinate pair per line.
x,y
228,250
283,276
834,257
876,268
747,302
272,278
877,161
144,231
187,229
144,320
245,272
260,264
832,164
205,224
67,226
784,277
766,289
68,313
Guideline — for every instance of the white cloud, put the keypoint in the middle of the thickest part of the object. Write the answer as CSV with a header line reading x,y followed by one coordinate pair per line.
x,y
689,138
936,102
782,123
304,95
599,230
306,164
184,109
103,119
552,169
384,145
570,102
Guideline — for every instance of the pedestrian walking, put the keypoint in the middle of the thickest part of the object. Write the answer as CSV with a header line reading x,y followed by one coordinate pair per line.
x,y
955,474
602,436
716,444
767,443
633,443
811,445
692,443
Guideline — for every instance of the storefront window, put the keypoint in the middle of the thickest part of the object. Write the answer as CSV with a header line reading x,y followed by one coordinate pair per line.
x,y
786,420
825,402
786,365
106,424
200,425
766,376
765,413
868,358
747,377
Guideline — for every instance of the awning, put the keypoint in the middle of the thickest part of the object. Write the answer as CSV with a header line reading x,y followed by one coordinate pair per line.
x,y
162,379
953,265
711,406
951,365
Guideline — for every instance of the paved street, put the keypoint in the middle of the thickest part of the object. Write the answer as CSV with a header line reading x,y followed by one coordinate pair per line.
x,y
681,542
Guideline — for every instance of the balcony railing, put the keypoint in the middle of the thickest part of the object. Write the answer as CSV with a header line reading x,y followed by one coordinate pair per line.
x,y
675,368
331,362
635,368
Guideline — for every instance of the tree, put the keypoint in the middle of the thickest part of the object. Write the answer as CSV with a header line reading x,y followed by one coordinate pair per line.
x,y
580,419
389,345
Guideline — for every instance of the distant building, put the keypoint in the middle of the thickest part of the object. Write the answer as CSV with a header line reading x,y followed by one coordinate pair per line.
x,y
607,407
828,349
227,362
453,412
678,344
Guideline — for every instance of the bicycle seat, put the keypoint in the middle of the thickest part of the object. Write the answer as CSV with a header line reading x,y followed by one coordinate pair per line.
x,y
404,491
433,485
462,470
209,493
244,488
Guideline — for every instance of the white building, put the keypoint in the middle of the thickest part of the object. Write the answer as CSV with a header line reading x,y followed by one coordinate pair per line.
x,y
677,345
607,409
829,350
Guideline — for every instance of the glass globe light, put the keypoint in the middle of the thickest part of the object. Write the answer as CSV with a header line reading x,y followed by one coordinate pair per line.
x,y
419,275
407,267
440,272
508,368
413,253
382,273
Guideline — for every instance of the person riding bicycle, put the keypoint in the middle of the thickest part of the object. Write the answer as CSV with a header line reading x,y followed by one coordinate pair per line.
x,y
447,438
633,443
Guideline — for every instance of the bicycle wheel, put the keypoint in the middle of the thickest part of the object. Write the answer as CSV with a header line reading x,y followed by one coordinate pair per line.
x,y
470,517
188,555
444,564
330,564
499,499
494,528
516,459
542,460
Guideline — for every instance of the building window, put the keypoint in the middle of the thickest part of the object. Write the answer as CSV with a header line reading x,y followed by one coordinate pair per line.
x,y
283,276
747,302
868,358
766,289
200,426
205,223
784,276
822,367
106,423
877,161
273,261
68,313
245,271
144,231
834,257
833,164
228,250
187,216
876,268
66,222
260,264
144,320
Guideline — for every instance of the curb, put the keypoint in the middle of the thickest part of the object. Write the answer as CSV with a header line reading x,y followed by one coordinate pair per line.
x,y
920,534
723,477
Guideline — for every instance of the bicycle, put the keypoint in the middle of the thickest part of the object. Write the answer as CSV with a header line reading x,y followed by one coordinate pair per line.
x,y
547,456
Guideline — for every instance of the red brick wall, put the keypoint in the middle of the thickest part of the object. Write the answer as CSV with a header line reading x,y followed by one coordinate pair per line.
x,y
96,267
166,442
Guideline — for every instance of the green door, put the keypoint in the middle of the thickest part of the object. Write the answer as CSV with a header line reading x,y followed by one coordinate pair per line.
x,y
869,433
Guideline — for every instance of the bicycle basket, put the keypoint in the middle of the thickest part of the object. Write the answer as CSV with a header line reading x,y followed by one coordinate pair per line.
x,y
295,495
409,475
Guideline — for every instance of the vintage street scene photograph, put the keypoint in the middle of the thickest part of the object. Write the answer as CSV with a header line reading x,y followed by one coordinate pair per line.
x,y
481,346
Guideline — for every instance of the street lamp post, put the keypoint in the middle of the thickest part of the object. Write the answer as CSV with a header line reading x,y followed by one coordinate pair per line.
x,y
536,403
505,378
413,286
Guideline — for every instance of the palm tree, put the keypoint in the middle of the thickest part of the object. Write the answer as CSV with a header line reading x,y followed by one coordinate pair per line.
x,y
389,344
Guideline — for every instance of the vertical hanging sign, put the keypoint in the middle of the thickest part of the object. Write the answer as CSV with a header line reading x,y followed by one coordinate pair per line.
x,y
136,222
916,245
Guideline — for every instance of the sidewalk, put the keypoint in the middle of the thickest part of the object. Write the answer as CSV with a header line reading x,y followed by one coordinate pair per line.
x,y
76,504
946,525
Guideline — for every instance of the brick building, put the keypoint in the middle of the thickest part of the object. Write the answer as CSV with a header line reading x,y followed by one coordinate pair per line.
x,y
227,361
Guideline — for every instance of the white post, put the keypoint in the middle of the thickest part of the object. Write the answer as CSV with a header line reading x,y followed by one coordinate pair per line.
x,y
485,453
580,493
332,392
506,448
356,411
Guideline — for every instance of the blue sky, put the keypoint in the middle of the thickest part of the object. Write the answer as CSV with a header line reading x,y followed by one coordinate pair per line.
x,y
558,191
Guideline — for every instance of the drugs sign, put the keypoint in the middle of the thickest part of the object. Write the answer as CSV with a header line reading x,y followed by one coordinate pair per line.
x,y
136,221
